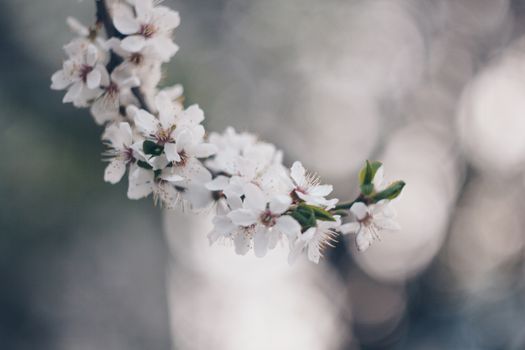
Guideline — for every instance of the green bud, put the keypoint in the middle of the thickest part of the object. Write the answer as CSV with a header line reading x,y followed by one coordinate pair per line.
x,y
367,173
390,192
152,148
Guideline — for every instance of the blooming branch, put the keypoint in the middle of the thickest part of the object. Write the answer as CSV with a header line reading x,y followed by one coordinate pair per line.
x,y
164,149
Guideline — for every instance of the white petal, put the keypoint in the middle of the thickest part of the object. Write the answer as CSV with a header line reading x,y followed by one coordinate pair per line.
x,y
351,227
255,198
124,20
360,210
363,240
114,171
126,134
242,243
141,183
60,81
146,122
379,179
223,225
321,190
243,217
387,224
218,184
288,225
260,241
93,79
314,253
91,55
166,110
204,150
164,47
280,204
194,114
73,92
297,172
198,196
170,149
133,43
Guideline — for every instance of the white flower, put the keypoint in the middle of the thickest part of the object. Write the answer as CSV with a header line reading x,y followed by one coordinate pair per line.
x,y
315,239
264,219
147,27
119,138
82,75
306,186
370,220
117,93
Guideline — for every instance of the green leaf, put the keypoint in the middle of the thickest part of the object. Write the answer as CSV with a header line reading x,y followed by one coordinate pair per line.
x,y
367,173
144,164
152,148
367,189
320,213
305,216
391,192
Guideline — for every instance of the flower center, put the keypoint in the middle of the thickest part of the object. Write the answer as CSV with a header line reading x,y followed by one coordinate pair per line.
x,y
164,136
367,220
268,219
84,72
112,90
147,30
183,158
137,59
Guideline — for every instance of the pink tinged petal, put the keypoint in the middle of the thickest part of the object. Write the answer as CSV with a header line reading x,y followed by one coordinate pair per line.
x,y
351,227
93,79
288,225
321,190
164,47
143,9
166,18
59,81
141,183
133,43
243,217
146,122
218,184
363,240
242,243
255,198
297,172
387,224
280,204
204,150
261,241
360,210
73,92
124,20
170,149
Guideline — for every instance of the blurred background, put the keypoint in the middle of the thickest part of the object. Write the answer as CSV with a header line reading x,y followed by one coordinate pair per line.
x,y
433,88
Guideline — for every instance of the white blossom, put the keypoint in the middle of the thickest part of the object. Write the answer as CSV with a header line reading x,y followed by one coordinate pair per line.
x,y
315,239
369,222
82,75
307,187
119,139
147,27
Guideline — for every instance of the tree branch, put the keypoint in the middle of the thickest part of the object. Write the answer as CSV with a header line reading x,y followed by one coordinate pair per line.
x,y
104,19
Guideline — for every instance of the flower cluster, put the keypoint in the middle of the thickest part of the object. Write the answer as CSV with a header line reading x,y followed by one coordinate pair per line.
x,y
165,151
